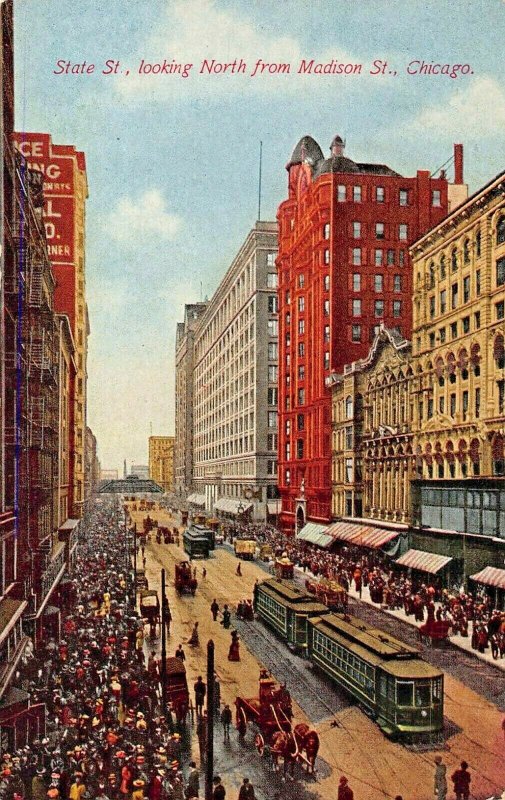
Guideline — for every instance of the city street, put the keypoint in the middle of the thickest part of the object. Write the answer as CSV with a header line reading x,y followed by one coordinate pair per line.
x,y
376,767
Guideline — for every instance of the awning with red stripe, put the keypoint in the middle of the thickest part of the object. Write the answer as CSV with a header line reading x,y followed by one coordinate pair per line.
x,y
361,535
425,562
491,576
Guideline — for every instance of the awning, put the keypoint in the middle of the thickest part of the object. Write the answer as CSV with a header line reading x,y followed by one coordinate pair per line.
x,y
491,576
10,612
69,524
231,506
196,499
315,534
425,562
274,507
361,535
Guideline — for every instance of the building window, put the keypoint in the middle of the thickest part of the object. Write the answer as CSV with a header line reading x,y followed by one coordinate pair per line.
x,y
379,256
435,198
287,451
374,330
348,470
356,333
287,475
454,295
272,419
326,334
341,193
273,351
441,405
301,326
442,268
432,307
272,396
273,327
432,340
379,308
287,427
356,230
326,360
348,437
397,285
500,270
477,283
326,308
326,230
301,397
273,374
397,308
478,244
454,330
500,231
442,336
404,197
301,304
466,251
273,304
379,230
356,308
288,402
501,396
379,283
356,256
301,372
500,310
466,289
301,280
272,280
429,410
403,232
272,467
466,324
300,422
379,194
349,411
464,404
477,403
326,259
301,349
454,260
299,448
391,258
476,320
356,282
356,194
272,441
326,283
452,405
287,297
401,258
443,301
271,259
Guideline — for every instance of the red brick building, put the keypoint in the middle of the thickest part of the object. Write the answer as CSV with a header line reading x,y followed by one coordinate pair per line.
x,y
343,268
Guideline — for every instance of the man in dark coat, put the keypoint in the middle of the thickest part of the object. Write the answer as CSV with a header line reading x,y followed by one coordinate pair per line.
x,y
461,779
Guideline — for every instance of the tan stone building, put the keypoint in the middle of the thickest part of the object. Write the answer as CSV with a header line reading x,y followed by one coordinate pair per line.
x,y
161,461
458,339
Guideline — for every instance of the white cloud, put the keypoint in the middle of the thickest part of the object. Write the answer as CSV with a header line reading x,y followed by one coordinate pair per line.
x,y
143,218
477,110
194,30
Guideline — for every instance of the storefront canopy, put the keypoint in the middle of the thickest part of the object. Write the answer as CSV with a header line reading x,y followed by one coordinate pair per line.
x,y
424,562
490,576
315,534
274,507
196,499
361,535
229,505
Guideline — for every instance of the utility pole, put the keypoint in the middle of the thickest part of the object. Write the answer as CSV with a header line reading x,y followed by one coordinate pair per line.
x,y
259,182
209,767
163,644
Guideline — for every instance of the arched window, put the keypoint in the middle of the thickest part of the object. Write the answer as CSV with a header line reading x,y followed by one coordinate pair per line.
x,y
498,455
451,367
500,231
478,242
463,363
442,268
474,453
439,369
454,260
499,351
348,407
475,358
432,275
466,251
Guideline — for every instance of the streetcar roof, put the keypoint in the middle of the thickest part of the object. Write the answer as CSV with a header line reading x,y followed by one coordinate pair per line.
x,y
353,629
285,591
414,669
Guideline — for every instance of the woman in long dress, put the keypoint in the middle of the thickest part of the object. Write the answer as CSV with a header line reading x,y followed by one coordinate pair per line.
x,y
234,651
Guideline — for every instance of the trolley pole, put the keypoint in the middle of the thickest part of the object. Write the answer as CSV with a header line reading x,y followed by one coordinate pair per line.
x,y
163,675
209,767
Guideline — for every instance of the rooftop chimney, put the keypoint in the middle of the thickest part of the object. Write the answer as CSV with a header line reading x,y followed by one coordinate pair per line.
x,y
458,164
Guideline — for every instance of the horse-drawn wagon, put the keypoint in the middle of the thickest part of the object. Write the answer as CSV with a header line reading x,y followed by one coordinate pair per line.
x,y
331,593
177,688
271,713
150,609
284,568
185,582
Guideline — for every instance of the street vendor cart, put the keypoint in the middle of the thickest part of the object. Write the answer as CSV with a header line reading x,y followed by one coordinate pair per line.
x,y
177,688
150,609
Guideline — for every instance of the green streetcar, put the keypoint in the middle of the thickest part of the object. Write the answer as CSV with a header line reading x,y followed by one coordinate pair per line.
x,y
286,609
196,544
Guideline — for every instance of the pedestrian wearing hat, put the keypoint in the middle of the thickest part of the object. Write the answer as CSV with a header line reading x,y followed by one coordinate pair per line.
x,y
226,718
344,790
138,790
218,792
214,609
193,781
461,779
440,787
200,690
246,791
78,788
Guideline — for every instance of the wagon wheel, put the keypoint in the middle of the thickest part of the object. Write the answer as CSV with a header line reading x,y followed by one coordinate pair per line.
x,y
259,744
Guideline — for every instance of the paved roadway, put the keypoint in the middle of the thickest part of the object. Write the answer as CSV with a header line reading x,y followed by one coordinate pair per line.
x,y
376,767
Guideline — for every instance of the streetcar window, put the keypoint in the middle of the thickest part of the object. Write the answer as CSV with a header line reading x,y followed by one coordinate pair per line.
x,y
405,694
423,695
437,690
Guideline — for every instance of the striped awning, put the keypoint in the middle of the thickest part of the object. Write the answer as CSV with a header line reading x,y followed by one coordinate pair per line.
x,y
315,534
196,499
229,505
274,507
361,535
424,562
491,576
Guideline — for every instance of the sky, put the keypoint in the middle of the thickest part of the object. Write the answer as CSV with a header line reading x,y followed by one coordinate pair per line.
x,y
172,162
